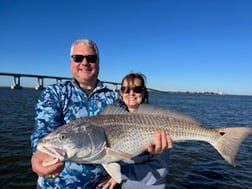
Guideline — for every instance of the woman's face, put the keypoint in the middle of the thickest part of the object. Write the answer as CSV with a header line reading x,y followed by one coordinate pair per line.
x,y
133,95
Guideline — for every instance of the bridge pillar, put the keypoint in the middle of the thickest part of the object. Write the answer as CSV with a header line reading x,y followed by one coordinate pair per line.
x,y
115,87
40,83
16,83
58,80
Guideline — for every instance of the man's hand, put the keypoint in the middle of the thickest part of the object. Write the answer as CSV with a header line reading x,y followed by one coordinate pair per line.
x,y
161,143
107,183
51,171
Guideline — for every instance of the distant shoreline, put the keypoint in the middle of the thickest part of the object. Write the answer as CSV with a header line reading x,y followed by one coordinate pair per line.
x,y
152,90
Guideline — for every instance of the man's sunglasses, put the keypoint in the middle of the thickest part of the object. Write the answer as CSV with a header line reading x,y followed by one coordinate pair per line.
x,y
137,89
89,58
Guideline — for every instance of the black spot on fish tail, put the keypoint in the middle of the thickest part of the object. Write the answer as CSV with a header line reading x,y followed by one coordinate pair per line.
x,y
222,133
229,141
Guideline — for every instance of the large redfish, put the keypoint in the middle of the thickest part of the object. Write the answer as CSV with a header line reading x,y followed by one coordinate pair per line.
x,y
117,134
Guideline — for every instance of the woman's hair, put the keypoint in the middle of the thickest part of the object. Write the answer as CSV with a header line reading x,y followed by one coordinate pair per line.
x,y
130,78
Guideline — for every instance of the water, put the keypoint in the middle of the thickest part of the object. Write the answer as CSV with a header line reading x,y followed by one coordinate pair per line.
x,y
193,164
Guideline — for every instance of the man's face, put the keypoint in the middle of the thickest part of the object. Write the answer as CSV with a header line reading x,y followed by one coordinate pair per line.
x,y
84,69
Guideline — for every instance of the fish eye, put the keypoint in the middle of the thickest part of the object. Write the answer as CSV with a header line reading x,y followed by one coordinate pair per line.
x,y
62,136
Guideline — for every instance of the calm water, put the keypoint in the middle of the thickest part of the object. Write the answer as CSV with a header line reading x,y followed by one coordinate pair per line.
x,y
193,164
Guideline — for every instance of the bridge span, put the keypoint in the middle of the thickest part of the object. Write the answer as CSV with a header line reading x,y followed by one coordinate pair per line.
x,y
40,80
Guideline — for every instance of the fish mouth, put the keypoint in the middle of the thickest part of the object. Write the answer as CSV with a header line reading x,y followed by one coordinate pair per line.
x,y
58,154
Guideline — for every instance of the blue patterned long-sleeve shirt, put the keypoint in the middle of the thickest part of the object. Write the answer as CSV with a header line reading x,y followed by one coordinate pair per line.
x,y
59,104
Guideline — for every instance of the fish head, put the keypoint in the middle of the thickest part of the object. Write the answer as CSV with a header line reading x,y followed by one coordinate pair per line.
x,y
77,143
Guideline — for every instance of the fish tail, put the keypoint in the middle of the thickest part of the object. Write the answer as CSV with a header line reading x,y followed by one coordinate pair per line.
x,y
229,141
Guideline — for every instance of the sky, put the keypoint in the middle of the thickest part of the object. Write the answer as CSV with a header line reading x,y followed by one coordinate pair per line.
x,y
180,45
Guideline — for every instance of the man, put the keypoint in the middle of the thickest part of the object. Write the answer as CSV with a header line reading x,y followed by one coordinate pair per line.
x,y
61,103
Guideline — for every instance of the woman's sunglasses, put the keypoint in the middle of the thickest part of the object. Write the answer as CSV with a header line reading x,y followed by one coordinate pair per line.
x,y
137,89
89,58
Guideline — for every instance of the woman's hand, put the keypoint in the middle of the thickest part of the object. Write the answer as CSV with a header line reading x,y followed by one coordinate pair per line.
x,y
51,171
161,143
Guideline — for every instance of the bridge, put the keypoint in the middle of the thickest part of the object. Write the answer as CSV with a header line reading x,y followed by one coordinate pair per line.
x,y
40,80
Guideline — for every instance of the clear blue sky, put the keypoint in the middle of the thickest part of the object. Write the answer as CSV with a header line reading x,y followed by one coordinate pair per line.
x,y
180,45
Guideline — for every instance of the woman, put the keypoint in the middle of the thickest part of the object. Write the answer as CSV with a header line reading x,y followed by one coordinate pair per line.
x,y
148,170
133,91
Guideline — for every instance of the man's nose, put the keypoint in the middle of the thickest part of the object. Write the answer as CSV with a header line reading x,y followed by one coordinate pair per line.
x,y
84,61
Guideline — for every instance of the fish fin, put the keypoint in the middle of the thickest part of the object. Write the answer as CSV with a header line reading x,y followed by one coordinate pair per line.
x,y
114,170
157,110
113,109
229,141
51,162
121,155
